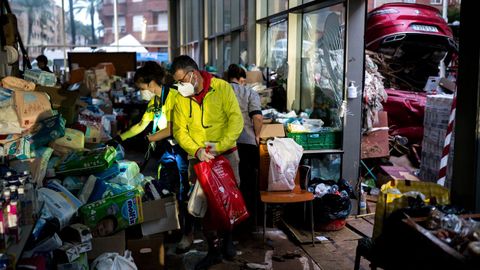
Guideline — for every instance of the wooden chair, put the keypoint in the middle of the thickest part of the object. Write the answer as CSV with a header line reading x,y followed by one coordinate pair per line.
x,y
297,195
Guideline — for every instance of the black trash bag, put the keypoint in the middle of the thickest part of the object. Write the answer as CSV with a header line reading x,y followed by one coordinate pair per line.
x,y
342,185
345,185
331,207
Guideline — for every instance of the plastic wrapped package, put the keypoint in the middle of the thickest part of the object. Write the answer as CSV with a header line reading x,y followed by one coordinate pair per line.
x,y
60,202
87,162
47,130
128,169
72,139
32,107
73,184
113,214
9,122
17,84
97,124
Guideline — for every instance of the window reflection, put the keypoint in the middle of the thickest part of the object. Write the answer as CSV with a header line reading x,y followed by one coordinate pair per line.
x,y
277,66
276,6
323,64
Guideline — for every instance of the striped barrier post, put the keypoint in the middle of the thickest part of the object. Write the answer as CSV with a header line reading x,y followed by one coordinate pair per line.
x,y
442,174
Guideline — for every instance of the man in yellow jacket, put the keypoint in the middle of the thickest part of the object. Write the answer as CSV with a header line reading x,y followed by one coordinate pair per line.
x,y
207,122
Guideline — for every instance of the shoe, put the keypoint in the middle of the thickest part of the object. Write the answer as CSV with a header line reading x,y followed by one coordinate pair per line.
x,y
214,256
185,244
228,249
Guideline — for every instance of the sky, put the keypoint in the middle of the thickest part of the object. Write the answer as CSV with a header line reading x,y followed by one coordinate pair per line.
x,y
81,15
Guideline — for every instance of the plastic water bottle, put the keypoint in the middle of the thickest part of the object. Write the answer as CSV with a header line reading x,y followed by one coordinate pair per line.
x,y
362,208
352,90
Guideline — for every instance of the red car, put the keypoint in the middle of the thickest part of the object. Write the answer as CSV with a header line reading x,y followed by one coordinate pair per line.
x,y
400,22
413,38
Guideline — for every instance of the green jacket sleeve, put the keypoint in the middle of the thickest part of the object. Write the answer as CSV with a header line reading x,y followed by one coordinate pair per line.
x,y
180,131
234,126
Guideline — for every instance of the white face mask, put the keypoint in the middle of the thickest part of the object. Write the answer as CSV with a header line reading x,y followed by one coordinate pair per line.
x,y
146,95
185,89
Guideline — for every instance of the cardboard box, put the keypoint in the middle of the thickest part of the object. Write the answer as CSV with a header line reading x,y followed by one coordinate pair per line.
x,y
389,173
148,252
113,243
154,210
254,77
169,222
272,131
108,66
77,75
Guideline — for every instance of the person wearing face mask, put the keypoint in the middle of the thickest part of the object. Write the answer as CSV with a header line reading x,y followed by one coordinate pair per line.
x,y
152,80
207,116
248,141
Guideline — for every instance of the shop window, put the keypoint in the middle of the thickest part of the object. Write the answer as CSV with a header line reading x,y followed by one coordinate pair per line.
x,y
436,2
322,64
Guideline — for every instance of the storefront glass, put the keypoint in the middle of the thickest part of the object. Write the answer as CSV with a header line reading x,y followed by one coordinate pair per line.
x,y
243,48
277,46
227,10
322,64
276,6
227,51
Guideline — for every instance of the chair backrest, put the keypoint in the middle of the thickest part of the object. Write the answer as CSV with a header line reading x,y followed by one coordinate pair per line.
x,y
302,178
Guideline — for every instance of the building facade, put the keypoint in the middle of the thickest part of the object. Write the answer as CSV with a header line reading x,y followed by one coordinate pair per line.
x,y
146,20
44,25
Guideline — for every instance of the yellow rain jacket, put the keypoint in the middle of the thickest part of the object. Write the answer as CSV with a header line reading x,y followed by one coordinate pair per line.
x,y
149,115
217,119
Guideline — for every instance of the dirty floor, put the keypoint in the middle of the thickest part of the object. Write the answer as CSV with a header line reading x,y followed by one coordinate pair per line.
x,y
282,248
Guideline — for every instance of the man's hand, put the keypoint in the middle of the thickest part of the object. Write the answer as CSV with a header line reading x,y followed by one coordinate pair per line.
x,y
203,155
257,140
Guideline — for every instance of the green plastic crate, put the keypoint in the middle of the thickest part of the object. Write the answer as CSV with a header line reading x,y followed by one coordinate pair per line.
x,y
300,138
325,139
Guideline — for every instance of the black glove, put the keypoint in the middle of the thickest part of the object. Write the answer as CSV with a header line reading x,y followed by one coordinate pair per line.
x,y
115,141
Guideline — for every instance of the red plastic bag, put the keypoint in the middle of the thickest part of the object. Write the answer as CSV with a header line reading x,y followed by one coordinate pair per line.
x,y
226,206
